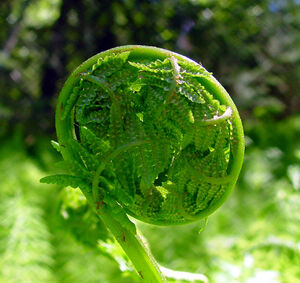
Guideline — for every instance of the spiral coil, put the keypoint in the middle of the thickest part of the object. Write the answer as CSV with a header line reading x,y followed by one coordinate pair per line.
x,y
153,131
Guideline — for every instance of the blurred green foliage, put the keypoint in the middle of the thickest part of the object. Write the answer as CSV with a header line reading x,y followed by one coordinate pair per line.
x,y
47,234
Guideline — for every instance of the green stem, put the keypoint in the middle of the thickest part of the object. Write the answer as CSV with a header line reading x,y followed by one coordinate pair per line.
x,y
132,244
137,252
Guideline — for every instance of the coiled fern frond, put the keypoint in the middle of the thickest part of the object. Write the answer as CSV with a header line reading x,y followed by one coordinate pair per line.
x,y
166,135
148,132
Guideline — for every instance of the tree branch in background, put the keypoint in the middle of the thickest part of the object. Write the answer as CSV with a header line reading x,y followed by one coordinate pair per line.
x,y
14,32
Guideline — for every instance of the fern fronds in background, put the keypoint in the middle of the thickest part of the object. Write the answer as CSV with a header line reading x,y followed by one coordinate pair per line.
x,y
26,251
24,236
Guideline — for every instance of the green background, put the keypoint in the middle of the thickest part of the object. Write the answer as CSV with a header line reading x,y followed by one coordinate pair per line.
x,y
47,234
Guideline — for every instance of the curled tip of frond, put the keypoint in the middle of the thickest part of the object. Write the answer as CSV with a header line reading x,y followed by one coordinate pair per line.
x,y
151,136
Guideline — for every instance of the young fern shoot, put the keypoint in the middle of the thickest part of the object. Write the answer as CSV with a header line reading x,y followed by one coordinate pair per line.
x,y
148,133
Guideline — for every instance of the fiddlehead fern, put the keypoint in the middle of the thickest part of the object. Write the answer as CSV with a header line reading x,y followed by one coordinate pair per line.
x,y
151,133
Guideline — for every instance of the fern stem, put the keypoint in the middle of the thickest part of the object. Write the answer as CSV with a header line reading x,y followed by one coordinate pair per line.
x,y
133,246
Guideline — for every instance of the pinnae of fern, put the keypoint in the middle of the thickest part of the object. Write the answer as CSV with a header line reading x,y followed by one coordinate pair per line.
x,y
157,127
